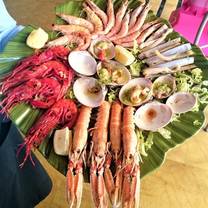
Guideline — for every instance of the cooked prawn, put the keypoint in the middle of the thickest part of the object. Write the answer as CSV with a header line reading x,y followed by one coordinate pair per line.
x,y
140,20
98,11
65,40
72,20
111,17
93,17
69,29
119,17
135,14
124,28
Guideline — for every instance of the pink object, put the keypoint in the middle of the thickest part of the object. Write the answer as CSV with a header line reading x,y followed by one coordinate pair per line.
x,y
191,22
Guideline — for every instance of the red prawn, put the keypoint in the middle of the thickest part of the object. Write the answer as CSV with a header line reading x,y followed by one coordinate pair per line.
x,y
63,113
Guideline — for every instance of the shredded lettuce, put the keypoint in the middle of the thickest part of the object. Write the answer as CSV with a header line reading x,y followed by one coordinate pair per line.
x,y
135,68
193,82
197,123
70,94
145,141
165,133
112,95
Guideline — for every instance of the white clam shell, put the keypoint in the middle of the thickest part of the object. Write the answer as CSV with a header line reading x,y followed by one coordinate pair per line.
x,y
143,82
153,116
165,79
81,89
82,62
116,65
181,102
111,47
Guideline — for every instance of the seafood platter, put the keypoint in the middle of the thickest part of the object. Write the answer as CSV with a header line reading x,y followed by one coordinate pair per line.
x,y
104,95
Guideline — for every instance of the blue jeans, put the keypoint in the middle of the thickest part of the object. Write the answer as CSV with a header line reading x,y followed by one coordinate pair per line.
x,y
19,187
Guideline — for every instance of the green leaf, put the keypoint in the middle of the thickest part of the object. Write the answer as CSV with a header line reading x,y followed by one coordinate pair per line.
x,y
24,116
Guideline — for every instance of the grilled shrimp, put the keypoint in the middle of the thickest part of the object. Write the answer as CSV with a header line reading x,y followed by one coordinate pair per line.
x,y
69,29
100,13
119,17
72,20
111,17
140,20
124,28
135,14
93,17
65,40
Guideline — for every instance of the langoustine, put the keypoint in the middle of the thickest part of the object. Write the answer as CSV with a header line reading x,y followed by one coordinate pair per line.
x,y
98,156
114,182
62,113
130,166
77,157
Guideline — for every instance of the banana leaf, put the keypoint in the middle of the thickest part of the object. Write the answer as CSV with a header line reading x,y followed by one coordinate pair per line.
x,y
25,116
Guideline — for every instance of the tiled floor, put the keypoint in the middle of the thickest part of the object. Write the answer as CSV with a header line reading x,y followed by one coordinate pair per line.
x,y
183,179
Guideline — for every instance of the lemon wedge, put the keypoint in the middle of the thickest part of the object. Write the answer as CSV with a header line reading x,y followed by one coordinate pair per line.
x,y
123,56
37,38
62,141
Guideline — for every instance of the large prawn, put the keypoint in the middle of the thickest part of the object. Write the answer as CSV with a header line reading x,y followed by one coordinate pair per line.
x,y
77,156
118,21
130,167
114,182
98,156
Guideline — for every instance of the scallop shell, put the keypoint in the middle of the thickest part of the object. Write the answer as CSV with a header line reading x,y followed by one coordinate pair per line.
x,y
113,65
142,82
82,62
153,116
111,55
181,102
166,79
83,91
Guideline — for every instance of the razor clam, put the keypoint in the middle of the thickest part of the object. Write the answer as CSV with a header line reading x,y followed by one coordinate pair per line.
x,y
181,102
102,49
89,91
165,46
136,92
178,62
153,116
173,52
82,62
163,86
156,72
113,73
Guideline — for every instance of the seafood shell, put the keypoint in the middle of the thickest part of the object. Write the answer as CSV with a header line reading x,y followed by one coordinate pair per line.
x,y
114,65
82,62
181,102
89,91
166,79
132,84
111,48
153,116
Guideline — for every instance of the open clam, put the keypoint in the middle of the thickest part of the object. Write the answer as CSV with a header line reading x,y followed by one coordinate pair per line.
x,y
89,91
153,116
136,92
181,102
163,86
113,73
82,62
102,49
